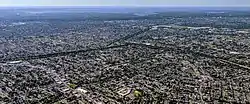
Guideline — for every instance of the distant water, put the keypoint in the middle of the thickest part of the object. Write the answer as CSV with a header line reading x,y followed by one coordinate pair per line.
x,y
114,9
24,23
18,23
143,14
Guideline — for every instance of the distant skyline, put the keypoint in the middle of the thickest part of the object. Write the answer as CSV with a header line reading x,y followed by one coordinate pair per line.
x,y
171,3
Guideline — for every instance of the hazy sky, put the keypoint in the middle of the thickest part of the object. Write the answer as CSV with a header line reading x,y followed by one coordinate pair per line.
x,y
125,2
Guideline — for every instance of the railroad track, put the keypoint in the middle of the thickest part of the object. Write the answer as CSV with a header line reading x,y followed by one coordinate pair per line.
x,y
110,46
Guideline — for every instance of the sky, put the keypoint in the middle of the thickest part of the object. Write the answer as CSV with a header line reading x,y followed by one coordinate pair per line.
x,y
125,3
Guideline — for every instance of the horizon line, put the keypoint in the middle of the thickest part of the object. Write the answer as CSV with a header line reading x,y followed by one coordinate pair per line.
x,y
244,6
